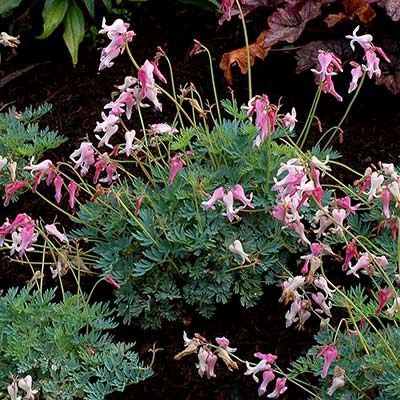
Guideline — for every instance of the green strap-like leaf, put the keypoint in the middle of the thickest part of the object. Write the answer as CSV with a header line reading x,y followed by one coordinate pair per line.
x,y
53,14
90,6
74,30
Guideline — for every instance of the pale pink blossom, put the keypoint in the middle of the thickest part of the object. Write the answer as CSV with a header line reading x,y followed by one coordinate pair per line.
x,y
254,370
372,67
52,230
337,381
330,354
237,248
356,74
280,388
320,300
216,196
321,283
386,196
364,40
26,385
58,184
45,167
267,377
109,127
363,263
345,203
83,157
129,147
375,186
10,189
239,194
289,120
72,189
163,128
119,35
148,85
176,164
223,342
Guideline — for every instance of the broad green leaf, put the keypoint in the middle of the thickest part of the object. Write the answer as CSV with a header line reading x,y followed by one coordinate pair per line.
x,y
53,14
74,30
8,5
90,6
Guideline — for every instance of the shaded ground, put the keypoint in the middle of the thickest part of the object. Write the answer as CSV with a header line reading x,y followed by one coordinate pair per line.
x,y
78,95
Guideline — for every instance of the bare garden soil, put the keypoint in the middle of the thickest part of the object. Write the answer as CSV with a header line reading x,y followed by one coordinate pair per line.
x,y
42,72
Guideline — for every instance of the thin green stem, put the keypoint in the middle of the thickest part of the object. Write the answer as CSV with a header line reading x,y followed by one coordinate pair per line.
x,y
246,40
346,113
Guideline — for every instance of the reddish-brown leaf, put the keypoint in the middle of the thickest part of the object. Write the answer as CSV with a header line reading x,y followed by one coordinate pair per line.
x,y
239,57
287,24
359,8
333,19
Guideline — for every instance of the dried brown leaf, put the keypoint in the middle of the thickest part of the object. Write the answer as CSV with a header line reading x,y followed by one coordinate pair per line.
x,y
287,24
239,57
359,8
333,19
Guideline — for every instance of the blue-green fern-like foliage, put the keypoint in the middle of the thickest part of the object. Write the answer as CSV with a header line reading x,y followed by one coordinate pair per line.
x,y
21,138
173,255
369,357
64,345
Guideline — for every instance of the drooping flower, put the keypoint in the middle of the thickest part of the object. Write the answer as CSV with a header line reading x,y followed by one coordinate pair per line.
x,y
72,188
337,381
384,297
267,377
10,189
109,126
26,385
239,194
176,164
289,120
280,387
58,184
109,279
237,248
83,157
330,354
356,74
207,360
52,230
119,35
216,196
191,346
364,40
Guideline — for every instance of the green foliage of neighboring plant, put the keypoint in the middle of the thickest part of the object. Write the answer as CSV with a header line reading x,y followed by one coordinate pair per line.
x,y
21,138
64,346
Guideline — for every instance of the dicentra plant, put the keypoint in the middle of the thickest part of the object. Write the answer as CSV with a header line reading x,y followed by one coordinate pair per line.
x,y
223,202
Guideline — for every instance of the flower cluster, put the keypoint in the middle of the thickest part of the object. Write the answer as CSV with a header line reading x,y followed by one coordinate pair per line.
x,y
22,231
119,35
329,63
208,359
236,193
26,385
47,170
372,61
294,191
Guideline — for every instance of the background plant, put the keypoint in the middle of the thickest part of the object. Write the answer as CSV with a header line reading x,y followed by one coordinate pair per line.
x,y
22,139
64,345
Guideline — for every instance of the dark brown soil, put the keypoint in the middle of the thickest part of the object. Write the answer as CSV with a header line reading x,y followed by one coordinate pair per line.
x,y
78,95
